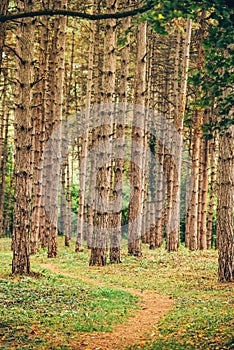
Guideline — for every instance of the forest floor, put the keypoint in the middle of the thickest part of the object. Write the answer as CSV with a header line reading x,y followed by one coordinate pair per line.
x,y
139,327
160,301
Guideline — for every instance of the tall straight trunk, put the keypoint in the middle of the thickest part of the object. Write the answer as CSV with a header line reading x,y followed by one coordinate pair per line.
x,y
152,188
173,224
193,220
199,204
4,128
7,223
204,191
135,206
85,143
103,182
225,205
23,144
146,225
66,178
97,68
156,149
52,145
116,230
63,205
160,198
57,63
211,205
39,136
4,168
149,230
68,227
3,11
188,193
36,201
197,121
39,208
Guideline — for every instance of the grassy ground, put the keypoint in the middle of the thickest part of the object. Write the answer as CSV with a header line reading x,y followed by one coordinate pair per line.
x,y
47,310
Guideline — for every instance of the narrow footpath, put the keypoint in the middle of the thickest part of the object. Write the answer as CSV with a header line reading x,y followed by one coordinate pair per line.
x,y
137,331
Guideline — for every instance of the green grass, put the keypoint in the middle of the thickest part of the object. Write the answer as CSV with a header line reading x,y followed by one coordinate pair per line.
x,y
47,309
202,318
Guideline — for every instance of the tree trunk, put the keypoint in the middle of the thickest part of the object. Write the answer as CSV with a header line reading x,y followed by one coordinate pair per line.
x,y
97,67
135,206
101,214
211,205
7,223
193,220
23,144
54,97
39,136
197,122
225,205
160,196
116,227
84,144
204,193
63,205
46,95
3,11
4,129
173,215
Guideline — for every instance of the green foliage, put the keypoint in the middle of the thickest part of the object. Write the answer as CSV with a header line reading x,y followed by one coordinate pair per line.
x,y
125,202
75,194
121,42
209,128
216,79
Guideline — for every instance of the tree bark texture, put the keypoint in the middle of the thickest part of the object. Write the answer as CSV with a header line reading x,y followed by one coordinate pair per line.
x,y
23,145
225,206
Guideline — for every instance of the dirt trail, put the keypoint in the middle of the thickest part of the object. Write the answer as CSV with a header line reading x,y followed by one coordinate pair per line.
x,y
135,332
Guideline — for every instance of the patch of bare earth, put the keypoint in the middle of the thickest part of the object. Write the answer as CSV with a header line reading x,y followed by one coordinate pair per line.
x,y
136,331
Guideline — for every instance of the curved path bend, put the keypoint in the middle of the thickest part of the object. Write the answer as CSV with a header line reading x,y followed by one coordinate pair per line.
x,y
138,328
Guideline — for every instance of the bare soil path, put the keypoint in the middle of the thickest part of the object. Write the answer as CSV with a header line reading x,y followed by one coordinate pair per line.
x,y
136,331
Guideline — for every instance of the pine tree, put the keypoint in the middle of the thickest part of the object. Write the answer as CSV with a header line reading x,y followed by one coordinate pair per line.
x,y
104,135
23,144
135,206
225,205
